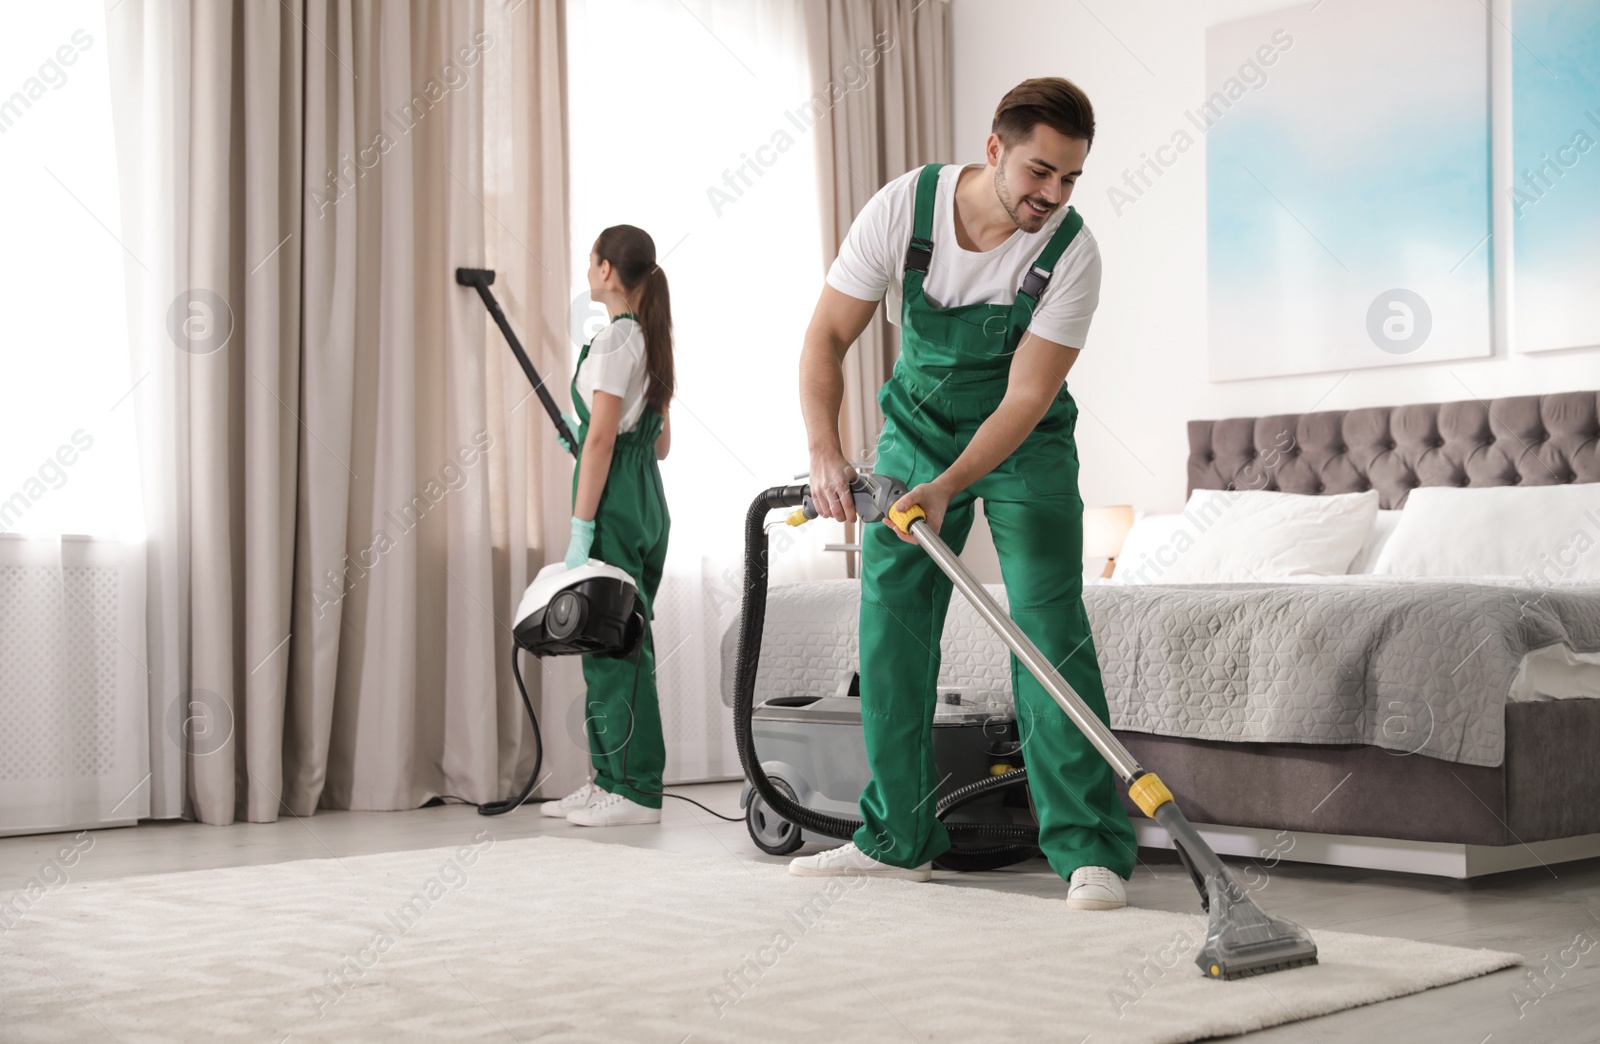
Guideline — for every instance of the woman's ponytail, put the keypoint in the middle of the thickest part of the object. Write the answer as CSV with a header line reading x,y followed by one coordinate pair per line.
x,y
655,316
632,253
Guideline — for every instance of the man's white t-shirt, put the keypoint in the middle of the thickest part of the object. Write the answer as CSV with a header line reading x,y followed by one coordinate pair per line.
x,y
616,364
872,260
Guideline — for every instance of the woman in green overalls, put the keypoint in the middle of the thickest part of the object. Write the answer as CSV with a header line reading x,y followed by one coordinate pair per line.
x,y
622,390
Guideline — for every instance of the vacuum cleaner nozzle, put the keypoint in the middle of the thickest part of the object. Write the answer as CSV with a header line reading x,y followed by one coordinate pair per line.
x,y
1243,939
475,276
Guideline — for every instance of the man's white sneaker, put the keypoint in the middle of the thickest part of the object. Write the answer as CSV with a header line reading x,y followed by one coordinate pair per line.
x,y
1095,888
849,861
577,799
613,810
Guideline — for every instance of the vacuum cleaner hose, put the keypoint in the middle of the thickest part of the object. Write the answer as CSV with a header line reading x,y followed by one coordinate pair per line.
x,y
977,789
992,838
991,857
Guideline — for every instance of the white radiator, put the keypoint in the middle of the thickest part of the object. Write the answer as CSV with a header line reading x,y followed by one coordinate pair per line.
x,y
74,729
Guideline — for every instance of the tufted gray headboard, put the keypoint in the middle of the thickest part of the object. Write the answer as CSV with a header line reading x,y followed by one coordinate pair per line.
x,y
1539,440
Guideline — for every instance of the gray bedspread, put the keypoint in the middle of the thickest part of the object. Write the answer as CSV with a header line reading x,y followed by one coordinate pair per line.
x,y
1416,667
1420,667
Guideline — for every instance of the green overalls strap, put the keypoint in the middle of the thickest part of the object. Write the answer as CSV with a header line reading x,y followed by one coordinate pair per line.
x,y
969,346
630,532
951,375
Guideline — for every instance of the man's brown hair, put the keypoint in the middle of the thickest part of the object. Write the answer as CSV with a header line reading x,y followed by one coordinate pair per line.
x,y
1050,100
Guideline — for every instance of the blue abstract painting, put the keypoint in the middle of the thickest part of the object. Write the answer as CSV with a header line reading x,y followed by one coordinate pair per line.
x,y
1554,193
1347,187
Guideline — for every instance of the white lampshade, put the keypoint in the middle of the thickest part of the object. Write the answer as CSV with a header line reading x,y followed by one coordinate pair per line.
x,y
1104,530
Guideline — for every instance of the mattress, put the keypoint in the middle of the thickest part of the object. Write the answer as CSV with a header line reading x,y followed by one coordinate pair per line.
x,y
1408,665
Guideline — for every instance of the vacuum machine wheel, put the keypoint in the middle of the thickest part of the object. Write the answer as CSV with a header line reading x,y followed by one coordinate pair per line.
x,y
772,833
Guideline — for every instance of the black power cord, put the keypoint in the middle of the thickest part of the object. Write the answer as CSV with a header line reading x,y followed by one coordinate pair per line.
x,y
638,662
500,808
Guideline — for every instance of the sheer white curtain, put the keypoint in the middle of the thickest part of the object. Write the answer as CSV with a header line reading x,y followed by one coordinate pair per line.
x,y
73,722
694,121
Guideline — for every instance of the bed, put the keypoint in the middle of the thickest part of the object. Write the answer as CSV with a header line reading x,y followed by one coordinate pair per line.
x,y
1364,719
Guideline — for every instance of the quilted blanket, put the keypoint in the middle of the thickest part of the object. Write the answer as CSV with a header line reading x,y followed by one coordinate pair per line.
x,y
1420,667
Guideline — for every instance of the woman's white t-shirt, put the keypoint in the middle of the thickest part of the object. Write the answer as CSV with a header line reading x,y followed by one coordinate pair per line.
x,y
616,364
872,261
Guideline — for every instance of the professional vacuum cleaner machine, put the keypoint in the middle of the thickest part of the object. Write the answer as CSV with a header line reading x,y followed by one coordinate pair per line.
x,y
570,612
807,777
813,750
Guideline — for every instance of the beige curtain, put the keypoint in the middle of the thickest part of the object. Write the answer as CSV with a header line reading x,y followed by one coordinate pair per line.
x,y
345,491
884,68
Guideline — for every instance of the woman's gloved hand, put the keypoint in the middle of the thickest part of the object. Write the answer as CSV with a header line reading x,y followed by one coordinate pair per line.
x,y
582,540
572,425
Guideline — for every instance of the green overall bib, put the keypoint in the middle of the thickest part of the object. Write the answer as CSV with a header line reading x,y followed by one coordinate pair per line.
x,y
950,376
630,532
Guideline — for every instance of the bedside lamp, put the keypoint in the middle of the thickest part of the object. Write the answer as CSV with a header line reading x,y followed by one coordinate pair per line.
x,y
1104,530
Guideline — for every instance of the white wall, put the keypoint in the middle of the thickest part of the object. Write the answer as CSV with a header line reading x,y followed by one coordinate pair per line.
x,y
1142,375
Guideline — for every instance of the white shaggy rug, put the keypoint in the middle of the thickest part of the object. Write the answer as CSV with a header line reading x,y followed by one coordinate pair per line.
x,y
563,940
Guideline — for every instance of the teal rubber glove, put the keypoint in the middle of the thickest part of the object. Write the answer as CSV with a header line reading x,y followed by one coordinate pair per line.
x,y
572,424
582,540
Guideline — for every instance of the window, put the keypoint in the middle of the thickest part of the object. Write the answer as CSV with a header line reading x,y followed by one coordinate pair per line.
x,y
689,120
67,461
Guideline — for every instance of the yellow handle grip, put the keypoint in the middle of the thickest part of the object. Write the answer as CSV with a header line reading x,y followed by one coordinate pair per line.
x,y
903,519
1149,793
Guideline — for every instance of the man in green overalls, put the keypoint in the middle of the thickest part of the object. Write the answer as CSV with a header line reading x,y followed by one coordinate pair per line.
x,y
997,281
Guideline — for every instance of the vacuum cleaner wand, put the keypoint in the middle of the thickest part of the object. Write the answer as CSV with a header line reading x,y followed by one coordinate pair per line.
x,y
1241,938
479,279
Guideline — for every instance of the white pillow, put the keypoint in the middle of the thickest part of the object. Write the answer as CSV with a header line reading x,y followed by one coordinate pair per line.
x,y
1243,535
1148,545
1544,534
1382,529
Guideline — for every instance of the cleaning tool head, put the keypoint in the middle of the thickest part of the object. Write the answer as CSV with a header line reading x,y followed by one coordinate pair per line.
x,y
1243,939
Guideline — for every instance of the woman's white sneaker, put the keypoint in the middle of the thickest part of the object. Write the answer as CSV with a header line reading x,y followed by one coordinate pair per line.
x,y
849,861
613,810
1095,888
575,800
